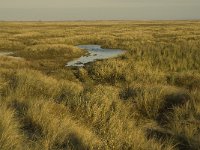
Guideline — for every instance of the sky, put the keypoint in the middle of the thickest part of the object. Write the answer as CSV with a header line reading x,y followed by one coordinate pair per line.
x,y
61,10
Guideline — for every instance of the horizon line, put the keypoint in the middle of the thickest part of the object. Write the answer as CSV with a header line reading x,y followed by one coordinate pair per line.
x,y
94,20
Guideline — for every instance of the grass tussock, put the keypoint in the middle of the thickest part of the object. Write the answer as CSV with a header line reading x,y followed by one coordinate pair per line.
x,y
11,136
50,51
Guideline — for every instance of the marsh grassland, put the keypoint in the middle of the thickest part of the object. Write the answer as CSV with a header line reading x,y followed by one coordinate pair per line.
x,y
146,99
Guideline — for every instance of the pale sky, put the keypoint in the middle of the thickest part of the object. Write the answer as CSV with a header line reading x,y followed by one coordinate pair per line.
x,y
26,10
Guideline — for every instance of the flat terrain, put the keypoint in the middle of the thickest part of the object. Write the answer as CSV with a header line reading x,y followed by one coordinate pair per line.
x,y
146,99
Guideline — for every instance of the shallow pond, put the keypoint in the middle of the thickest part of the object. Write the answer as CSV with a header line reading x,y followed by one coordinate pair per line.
x,y
95,53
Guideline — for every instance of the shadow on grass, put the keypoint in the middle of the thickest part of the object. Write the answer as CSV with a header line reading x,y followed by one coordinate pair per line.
x,y
127,93
32,130
180,141
171,101
72,141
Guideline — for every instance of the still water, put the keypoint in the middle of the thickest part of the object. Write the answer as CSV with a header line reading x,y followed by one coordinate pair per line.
x,y
95,53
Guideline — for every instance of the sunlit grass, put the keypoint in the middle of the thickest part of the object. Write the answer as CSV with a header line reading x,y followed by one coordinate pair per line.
x,y
148,98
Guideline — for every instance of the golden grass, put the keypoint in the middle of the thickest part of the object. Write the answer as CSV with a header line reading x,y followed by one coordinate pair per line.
x,y
148,98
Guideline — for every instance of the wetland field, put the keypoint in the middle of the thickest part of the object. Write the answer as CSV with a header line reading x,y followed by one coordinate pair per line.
x,y
146,98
